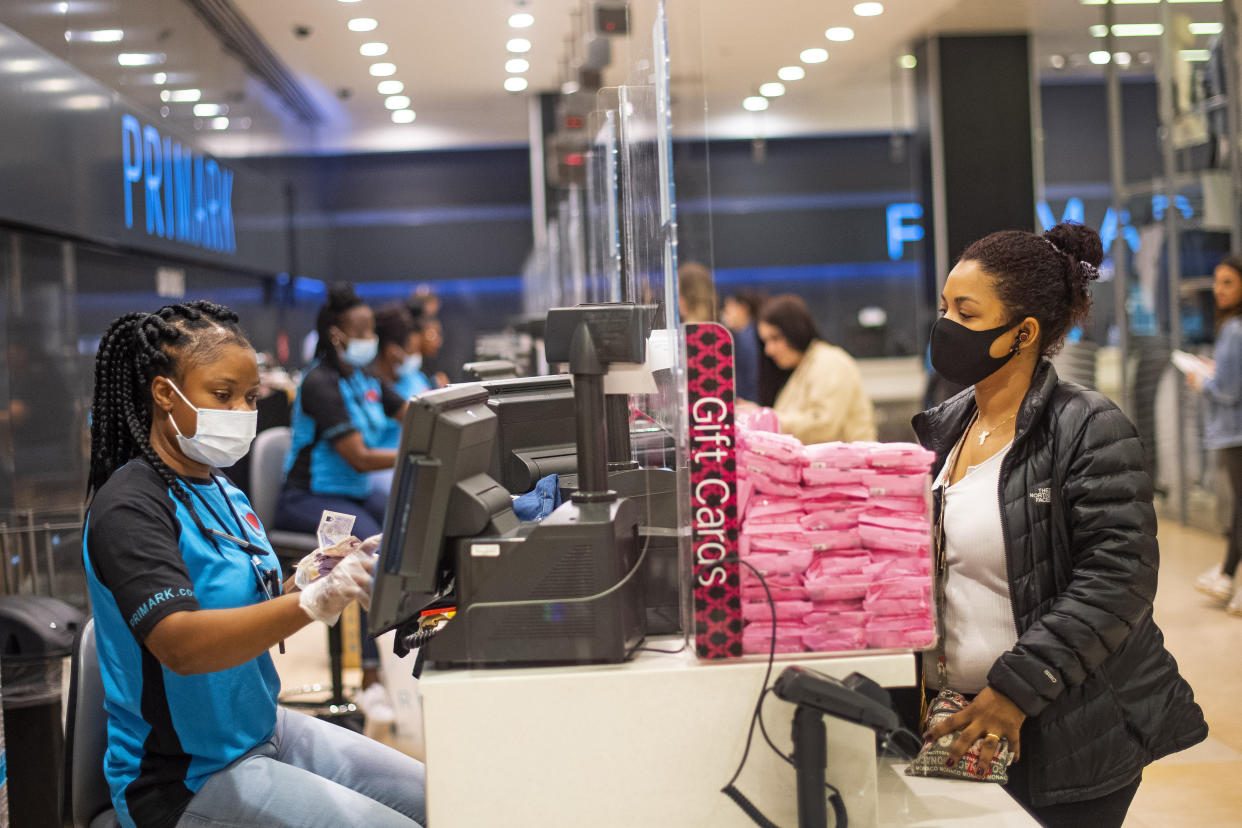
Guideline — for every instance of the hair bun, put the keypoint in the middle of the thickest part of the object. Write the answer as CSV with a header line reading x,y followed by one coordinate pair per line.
x,y
342,297
1081,242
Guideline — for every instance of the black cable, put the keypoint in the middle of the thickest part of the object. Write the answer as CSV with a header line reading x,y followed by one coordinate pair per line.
x,y
680,649
750,734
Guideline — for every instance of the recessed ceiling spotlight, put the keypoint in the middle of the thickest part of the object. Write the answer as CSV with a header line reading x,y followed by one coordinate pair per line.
x,y
218,123
390,87
755,103
515,84
160,78
1056,61
839,34
140,58
1098,30
813,55
397,102
1146,58
907,61
1195,55
207,110
1122,58
1206,28
518,45
403,116
164,111
373,49
1137,29
362,24
521,20
1099,58
516,66
383,70
347,1
868,9
772,89
791,73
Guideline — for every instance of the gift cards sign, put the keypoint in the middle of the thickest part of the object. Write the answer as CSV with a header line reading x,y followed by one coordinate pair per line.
x,y
713,491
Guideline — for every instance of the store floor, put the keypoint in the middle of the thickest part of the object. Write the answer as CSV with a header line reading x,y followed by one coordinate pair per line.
x,y
1200,786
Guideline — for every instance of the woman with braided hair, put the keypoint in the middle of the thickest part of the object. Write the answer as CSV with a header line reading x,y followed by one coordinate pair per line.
x,y
1046,554
187,602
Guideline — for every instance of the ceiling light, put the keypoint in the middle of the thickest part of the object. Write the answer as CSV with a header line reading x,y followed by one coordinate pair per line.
x,y
207,110
218,123
1098,58
1207,28
772,89
516,66
791,73
52,85
515,84
1195,55
1137,30
347,1
1056,61
164,111
95,36
571,88
868,9
1121,58
85,102
813,55
396,102
839,34
755,103
160,78
181,95
362,24
521,21
403,116
1098,30
390,87
907,61
373,49
383,70
244,123
518,45
21,65
140,58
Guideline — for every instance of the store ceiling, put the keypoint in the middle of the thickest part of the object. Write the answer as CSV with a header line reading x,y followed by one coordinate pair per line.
x,y
451,56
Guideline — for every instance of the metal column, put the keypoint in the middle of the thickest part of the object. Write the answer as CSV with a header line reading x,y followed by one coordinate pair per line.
x,y
1233,119
1117,178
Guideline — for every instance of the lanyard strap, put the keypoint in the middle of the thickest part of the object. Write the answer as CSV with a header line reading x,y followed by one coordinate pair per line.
x,y
942,556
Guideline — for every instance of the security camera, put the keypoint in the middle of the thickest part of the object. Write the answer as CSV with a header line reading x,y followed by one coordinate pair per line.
x,y
301,32
344,93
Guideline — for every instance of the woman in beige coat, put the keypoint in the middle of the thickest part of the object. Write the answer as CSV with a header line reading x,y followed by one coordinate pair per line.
x,y
823,400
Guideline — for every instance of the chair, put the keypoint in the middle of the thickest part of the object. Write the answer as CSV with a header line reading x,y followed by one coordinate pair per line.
x,y
88,802
267,475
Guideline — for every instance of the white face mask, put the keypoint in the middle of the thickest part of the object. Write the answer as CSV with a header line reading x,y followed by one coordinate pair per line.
x,y
221,438
361,352
411,365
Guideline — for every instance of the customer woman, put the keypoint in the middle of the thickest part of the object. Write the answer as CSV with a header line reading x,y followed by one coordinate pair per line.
x,y
186,605
1222,393
1048,560
823,399
339,420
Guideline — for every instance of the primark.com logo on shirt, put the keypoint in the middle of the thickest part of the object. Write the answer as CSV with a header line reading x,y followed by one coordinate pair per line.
x,y
157,599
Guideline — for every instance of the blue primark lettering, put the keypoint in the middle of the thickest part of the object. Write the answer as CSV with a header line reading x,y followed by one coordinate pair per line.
x,y
155,600
185,196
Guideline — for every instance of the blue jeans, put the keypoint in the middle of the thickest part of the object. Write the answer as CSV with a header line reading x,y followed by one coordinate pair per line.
x,y
313,774
298,510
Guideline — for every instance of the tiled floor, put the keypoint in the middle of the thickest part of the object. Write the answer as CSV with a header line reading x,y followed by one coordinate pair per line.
x,y
1201,786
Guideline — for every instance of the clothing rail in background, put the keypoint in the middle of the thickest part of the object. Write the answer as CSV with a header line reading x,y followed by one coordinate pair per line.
x,y
41,554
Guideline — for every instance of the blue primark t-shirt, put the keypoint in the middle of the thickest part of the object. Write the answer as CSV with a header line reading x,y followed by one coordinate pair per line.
x,y
331,405
145,559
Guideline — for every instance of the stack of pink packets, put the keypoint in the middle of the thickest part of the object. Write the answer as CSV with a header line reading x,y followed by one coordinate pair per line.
x,y
841,535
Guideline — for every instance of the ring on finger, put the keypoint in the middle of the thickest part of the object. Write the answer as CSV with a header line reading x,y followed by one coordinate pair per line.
x,y
991,737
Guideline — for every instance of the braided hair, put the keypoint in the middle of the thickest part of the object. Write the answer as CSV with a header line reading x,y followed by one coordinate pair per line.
x,y
341,299
136,349
1045,277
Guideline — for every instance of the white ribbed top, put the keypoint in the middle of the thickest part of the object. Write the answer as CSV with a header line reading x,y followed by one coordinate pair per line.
x,y
979,623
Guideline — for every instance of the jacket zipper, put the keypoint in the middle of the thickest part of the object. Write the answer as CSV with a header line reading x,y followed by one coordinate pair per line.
x,y
1000,501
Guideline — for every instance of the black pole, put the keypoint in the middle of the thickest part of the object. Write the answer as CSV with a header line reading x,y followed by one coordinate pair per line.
x,y
592,438
810,756
620,454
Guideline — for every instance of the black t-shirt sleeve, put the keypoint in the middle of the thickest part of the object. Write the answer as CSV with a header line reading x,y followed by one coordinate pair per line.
x,y
322,402
133,537
391,399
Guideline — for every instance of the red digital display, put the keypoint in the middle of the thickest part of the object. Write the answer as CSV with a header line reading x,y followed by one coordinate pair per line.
x,y
574,122
574,159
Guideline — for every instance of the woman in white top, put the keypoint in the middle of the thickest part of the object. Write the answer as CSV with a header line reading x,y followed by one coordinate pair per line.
x,y
1049,553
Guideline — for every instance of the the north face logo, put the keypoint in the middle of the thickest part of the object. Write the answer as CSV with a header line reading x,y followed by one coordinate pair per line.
x,y
1041,495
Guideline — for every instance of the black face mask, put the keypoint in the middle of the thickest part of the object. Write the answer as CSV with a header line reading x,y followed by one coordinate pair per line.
x,y
962,356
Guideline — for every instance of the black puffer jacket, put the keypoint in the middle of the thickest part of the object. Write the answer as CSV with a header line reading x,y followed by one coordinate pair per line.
x,y
1102,695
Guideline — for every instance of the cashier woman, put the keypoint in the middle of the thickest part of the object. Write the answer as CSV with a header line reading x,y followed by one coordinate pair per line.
x,y
186,603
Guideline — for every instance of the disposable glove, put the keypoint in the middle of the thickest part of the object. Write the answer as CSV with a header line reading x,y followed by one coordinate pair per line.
x,y
327,596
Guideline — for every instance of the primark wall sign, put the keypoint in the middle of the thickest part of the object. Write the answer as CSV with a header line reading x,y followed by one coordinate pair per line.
x,y
174,192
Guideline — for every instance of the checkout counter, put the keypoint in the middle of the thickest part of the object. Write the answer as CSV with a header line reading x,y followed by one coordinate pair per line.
x,y
546,700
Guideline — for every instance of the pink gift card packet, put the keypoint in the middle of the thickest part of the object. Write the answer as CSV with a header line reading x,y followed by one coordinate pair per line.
x,y
885,484
764,506
831,539
840,516
895,520
776,446
874,537
785,610
909,456
813,476
771,486
834,492
778,562
837,587
836,455
904,505
831,641
749,463
757,639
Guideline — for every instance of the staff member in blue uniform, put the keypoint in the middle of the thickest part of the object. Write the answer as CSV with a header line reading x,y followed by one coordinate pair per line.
x,y
398,364
187,605
339,420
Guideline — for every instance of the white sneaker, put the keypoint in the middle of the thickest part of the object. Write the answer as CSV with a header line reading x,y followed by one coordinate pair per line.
x,y
1235,604
375,703
1215,584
